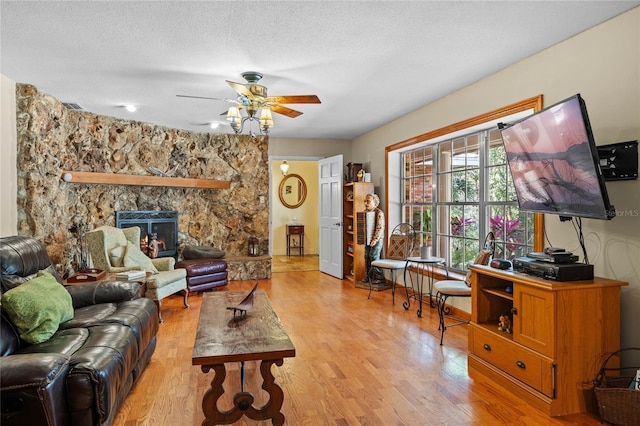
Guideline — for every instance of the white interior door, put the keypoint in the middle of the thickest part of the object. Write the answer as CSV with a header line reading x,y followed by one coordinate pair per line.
x,y
330,170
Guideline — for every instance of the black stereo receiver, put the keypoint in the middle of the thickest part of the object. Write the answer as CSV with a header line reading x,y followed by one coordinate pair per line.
x,y
553,271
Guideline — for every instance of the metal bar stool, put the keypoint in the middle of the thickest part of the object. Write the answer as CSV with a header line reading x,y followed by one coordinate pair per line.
x,y
459,288
399,248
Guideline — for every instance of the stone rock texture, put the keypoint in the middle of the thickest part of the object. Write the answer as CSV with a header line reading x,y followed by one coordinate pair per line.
x,y
52,138
248,268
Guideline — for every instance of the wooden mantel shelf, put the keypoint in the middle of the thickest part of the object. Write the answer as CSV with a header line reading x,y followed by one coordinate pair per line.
x,y
122,179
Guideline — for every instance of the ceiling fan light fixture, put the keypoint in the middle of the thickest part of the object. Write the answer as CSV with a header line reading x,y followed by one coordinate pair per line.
x,y
252,97
266,119
233,115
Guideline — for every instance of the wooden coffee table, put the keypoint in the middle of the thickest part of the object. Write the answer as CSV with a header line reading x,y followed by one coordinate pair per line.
x,y
221,338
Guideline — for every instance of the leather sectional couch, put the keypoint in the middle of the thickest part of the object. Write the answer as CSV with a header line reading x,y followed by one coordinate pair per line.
x,y
84,371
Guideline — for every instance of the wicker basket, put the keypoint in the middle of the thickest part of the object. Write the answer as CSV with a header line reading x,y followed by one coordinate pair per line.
x,y
617,404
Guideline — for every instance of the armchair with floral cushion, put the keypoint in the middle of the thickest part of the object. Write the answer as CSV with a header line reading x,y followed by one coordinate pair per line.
x,y
118,250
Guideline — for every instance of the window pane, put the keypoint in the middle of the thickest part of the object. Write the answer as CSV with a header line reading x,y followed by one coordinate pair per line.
x,y
444,158
471,222
459,187
497,190
407,191
421,222
509,227
471,250
440,235
528,219
473,186
497,154
408,164
457,253
416,190
456,227
444,187
511,190
458,159
472,153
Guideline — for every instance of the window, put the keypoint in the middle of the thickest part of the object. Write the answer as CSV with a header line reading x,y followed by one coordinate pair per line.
x,y
457,187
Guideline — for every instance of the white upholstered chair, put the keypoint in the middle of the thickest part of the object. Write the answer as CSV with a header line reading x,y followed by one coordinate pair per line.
x,y
400,246
118,250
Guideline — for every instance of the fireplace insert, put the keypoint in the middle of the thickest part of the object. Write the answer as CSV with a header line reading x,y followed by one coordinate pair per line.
x,y
162,223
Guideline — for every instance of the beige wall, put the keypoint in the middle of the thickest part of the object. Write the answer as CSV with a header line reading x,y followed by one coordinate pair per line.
x,y
320,148
8,171
306,214
603,65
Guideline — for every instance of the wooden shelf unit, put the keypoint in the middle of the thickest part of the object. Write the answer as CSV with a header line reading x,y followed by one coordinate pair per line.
x,y
561,333
139,180
353,253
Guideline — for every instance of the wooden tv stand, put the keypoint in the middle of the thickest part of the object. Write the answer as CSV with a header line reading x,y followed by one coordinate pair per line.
x,y
561,333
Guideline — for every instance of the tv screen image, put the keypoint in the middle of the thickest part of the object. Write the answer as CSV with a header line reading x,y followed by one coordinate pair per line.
x,y
554,162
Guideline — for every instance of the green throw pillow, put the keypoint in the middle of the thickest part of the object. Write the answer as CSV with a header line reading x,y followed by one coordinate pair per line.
x,y
37,307
135,257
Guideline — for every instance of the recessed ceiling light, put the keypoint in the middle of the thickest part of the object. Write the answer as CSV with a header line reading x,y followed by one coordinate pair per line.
x,y
131,108
214,125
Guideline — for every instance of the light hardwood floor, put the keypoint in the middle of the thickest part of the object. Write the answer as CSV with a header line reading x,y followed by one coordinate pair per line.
x,y
358,362
295,263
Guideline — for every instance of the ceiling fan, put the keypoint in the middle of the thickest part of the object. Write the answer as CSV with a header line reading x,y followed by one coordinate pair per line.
x,y
253,97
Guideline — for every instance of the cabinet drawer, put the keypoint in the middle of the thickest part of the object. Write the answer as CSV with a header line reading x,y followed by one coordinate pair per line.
x,y
296,229
516,360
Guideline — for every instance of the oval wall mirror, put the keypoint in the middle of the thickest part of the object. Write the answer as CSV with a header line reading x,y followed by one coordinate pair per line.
x,y
292,191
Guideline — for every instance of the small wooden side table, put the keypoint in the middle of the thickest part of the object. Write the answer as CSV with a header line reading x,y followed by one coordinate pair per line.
x,y
295,234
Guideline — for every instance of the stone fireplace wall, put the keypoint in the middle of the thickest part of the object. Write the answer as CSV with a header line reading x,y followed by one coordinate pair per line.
x,y
52,138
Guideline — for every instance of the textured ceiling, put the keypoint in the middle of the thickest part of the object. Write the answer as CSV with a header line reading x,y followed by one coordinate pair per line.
x,y
369,62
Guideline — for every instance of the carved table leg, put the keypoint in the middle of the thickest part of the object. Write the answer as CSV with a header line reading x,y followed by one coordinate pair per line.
x,y
186,298
243,401
271,410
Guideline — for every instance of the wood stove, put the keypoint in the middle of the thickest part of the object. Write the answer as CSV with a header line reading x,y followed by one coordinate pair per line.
x,y
163,223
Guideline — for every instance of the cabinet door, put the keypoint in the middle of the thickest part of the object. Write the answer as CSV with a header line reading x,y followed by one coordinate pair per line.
x,y
534,319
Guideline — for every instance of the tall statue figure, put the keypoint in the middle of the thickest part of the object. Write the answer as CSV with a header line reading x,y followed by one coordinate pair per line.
x,y
374,237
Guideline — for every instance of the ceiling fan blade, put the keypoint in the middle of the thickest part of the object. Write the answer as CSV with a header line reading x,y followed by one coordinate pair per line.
x,y
297,99
291,113
234,101
240,88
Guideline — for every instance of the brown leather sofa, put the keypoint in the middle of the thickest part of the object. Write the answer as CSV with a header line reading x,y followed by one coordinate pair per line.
x,y
83,373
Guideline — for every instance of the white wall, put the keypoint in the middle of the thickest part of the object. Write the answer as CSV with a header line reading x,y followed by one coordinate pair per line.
x,y
8,159
603,65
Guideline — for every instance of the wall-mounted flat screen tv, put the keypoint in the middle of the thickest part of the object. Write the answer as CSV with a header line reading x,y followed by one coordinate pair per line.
x,y
554,162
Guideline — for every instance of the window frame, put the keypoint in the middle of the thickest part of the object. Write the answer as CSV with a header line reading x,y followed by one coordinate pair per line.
x,y
392,180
